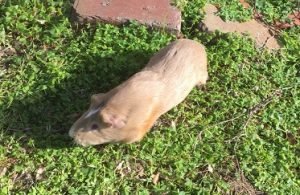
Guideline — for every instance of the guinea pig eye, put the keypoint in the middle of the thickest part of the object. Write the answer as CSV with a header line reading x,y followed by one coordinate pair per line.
x,y
94,127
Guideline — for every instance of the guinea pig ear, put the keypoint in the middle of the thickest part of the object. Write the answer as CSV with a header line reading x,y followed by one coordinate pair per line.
x,y
97,98
112,119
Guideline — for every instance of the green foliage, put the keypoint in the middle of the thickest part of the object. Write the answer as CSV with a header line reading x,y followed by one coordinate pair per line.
x,y
244,125
192,13
275,10
233,10
271,10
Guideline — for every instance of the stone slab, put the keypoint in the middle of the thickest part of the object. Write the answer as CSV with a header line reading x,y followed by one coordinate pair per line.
x,y
156,13
258,31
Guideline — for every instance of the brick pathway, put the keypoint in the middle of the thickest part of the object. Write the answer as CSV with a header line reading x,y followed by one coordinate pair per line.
x,y
157,13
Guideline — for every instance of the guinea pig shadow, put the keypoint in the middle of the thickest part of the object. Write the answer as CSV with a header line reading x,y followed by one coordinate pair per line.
x,y
42,120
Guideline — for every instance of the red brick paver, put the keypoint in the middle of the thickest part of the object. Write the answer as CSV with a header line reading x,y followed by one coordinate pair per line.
x,y
157,13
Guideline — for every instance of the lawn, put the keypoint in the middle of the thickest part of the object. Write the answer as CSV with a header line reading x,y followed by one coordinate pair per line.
x,y
238,134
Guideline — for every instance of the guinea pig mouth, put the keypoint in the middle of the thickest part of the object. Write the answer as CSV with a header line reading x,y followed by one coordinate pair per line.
x,y
86,143
87,138
81,143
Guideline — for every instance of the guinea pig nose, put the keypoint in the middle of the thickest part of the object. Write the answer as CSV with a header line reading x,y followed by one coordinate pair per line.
x,y
94,127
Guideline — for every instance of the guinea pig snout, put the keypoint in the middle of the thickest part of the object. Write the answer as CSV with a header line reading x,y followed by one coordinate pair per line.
x,y
72,133
77,136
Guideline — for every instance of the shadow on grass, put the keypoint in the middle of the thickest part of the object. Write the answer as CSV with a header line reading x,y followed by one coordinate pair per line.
x,y
43,120
41,116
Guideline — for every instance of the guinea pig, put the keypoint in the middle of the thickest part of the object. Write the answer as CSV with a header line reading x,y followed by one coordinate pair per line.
x,y
127,112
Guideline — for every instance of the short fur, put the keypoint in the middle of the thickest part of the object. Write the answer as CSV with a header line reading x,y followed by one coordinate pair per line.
x,y
127,112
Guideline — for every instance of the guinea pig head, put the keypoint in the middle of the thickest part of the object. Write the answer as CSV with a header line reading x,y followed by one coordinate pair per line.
x,y
100,124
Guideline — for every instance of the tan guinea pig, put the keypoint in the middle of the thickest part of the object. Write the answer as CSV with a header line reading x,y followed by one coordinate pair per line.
x,y
127,112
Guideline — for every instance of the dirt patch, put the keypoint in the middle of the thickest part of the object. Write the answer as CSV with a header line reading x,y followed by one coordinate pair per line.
x,y
245,4
5,53
231,172
291,138
127,168
5,164
242,186
23,180
293,17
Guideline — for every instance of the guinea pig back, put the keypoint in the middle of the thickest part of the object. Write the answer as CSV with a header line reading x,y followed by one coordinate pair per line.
x,y
127,112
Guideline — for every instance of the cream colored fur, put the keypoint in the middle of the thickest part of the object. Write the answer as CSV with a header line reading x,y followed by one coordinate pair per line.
x,y
127,112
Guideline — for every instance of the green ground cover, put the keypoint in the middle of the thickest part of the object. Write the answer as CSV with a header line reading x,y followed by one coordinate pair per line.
x,y
240,133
